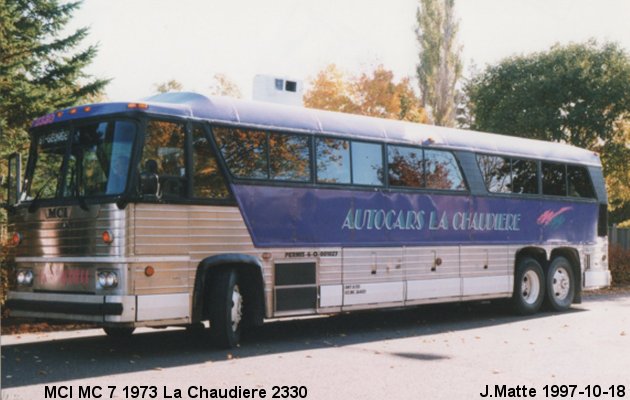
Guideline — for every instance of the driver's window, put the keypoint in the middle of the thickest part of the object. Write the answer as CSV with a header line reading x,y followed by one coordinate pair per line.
x,y
164,155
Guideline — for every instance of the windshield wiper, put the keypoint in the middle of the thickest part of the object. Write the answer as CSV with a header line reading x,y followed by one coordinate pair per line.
x,y
33,205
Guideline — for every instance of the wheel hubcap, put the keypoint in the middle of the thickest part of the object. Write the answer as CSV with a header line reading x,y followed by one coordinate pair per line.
x,y
237,308
561,283
530,287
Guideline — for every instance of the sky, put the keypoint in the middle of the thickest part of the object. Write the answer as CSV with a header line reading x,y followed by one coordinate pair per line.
x,y
146,42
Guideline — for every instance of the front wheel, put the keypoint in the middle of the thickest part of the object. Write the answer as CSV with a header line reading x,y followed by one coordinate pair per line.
x,y
528,286
226,308
560,284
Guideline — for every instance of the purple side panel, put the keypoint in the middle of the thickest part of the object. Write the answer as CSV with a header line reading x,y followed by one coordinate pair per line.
x,y
291,217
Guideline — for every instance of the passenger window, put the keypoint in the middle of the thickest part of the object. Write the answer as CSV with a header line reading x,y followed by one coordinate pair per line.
x,y
579,182
496,173
442,171
333,160
367,164
405,166
164,155
208,182
244,151
554,179
505,175
289,157
524,176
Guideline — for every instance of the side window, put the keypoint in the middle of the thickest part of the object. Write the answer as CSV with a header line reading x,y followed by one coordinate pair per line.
x,y
367,164
333,160
496,173
524,176
554,179
579,182
164,155
244,151
289,157
405,166
442,171
505,175
208,183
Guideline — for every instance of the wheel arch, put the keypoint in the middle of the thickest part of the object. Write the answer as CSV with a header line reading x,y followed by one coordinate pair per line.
x,y
537,253
249,269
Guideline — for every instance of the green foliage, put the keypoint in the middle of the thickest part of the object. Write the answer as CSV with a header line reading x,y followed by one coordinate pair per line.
x,y
440,65
40,71
578,94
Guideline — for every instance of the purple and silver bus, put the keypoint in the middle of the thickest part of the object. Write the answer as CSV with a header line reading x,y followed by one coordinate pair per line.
x,y
183,209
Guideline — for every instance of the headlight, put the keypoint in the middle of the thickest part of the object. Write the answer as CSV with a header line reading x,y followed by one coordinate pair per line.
x,y
107,279
25,277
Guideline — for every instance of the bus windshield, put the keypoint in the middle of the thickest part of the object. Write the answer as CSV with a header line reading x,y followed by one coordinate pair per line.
x,y
95,157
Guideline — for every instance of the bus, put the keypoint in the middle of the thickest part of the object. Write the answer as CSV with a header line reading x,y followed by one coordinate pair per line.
x,y
183,209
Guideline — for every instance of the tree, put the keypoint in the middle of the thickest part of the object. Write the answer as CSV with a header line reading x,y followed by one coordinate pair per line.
x,y
169,86
222,85
440,65
330,91
41,70
375,94
577,94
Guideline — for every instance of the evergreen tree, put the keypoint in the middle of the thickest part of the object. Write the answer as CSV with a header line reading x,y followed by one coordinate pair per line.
x,y
40,69
440,65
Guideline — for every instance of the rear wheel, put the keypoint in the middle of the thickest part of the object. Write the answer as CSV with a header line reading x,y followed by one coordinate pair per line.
x,y
529,286
560,284
226,308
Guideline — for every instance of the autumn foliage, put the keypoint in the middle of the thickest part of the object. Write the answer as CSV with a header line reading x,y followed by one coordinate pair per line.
x,y
619,264
375,94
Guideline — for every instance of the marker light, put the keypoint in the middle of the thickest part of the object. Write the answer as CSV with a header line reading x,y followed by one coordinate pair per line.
x,y
16,239
87,109
59,114
142,106
108,237
73,111
149,270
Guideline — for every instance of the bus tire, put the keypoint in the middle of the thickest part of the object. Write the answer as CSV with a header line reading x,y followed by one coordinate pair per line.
x,y
118,332
560,284
226,308
529,287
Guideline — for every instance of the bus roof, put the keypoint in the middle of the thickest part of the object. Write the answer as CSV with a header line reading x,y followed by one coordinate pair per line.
x,y
292,118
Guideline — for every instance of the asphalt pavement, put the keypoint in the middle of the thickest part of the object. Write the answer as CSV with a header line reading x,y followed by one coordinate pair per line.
x,y
454,351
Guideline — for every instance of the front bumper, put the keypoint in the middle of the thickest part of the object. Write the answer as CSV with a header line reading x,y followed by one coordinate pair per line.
x,y
72,307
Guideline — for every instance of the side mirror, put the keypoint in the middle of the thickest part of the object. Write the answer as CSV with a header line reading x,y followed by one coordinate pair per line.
x,y
150,184
14,180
